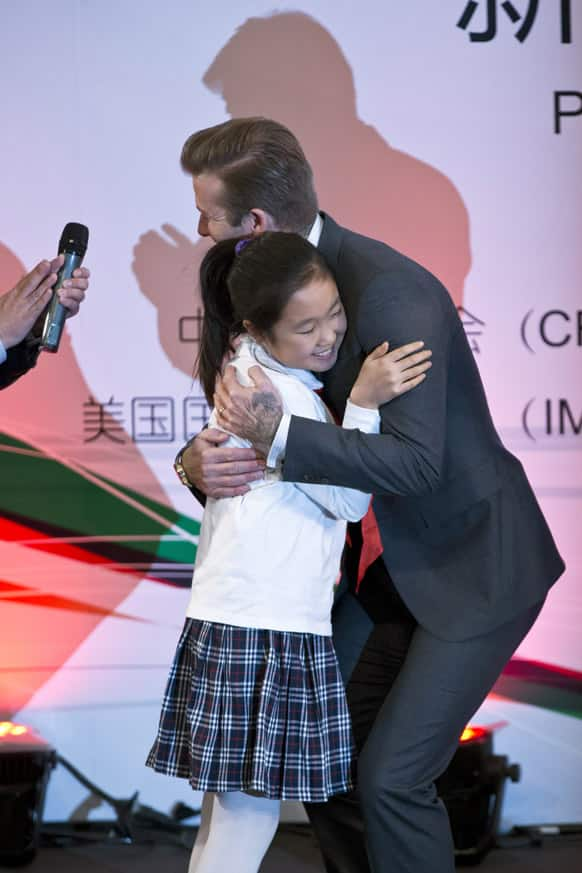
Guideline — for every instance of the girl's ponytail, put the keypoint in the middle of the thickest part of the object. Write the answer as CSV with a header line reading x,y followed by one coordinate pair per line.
x,y
220,324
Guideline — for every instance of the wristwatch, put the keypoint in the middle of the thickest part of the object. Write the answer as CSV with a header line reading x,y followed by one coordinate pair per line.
x,y
179,467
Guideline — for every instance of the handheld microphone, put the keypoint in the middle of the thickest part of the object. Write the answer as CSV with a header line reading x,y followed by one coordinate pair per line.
x,y
73,245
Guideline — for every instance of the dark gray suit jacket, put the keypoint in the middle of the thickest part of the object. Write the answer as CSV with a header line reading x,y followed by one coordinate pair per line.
x,y
19,360
464,538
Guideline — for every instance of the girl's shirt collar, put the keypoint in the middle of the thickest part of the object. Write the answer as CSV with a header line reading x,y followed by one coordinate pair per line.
x,y
263,358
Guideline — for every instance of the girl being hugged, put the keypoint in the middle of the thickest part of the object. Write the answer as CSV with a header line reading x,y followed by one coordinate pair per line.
x,y
255,710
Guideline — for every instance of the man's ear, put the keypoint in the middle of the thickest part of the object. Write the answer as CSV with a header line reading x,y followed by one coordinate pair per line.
x,y
258,221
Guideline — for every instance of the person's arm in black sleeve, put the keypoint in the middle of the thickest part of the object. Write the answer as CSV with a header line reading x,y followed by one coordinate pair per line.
x,y
406,457
19,360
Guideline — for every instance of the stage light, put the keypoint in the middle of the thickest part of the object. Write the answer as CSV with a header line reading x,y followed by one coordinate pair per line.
x,y
473,733
472,789
26,761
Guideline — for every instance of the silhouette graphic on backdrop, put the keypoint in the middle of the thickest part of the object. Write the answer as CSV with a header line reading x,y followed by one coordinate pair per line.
x,y
166,268
361,180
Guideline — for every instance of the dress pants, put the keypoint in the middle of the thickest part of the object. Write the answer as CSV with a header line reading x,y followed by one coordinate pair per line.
x,y
410,696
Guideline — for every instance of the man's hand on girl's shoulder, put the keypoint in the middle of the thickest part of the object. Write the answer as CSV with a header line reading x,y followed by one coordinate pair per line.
x,y
252,413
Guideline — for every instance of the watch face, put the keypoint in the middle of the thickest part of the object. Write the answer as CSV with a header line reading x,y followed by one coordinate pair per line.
x,y
181,473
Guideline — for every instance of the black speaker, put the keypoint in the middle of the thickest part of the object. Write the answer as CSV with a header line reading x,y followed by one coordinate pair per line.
x,y
26,761
472,790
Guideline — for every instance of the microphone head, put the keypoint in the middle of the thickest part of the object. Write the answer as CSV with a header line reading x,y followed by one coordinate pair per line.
x,y
74,238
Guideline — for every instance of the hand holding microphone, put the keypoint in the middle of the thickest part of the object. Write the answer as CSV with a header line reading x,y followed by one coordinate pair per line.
x,y
71,283
22,305
40,301
59,284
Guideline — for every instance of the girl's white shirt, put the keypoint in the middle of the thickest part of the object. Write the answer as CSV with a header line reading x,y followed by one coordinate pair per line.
x,y
269,558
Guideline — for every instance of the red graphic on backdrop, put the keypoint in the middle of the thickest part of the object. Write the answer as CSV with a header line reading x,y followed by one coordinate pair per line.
x,y
52,600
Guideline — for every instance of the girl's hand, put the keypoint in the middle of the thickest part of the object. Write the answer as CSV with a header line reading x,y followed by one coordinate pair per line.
x,y
386,375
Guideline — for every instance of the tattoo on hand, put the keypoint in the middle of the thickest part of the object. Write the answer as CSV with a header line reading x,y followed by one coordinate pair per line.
x,y
266,407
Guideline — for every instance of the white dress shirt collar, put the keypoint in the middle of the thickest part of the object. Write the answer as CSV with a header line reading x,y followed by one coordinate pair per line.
x,y
314,234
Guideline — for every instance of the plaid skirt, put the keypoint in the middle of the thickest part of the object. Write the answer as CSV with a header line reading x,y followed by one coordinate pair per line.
x,y
255,710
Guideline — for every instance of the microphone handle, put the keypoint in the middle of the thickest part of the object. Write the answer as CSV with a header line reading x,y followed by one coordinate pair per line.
x,y
56,312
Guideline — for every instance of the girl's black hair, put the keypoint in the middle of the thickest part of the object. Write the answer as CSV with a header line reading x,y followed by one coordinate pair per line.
x,y
250,280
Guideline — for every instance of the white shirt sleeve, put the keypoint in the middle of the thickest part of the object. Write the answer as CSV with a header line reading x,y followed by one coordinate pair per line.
x,y
362,418
3,354
277,451
344,503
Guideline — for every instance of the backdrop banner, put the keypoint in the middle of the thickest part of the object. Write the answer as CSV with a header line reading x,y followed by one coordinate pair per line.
x,y
451,130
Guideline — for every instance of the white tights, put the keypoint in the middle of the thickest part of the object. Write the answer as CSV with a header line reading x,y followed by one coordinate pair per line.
x,y
236,829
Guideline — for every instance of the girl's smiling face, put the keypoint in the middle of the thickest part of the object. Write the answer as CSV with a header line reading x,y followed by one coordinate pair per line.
x,y
310,330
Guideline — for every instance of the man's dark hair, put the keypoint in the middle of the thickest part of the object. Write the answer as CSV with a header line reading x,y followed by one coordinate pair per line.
x,y
261,166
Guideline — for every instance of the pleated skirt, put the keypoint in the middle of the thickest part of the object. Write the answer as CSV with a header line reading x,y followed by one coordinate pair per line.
x,y
255,710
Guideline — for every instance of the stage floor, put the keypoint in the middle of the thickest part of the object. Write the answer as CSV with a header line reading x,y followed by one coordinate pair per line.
x,y
293,851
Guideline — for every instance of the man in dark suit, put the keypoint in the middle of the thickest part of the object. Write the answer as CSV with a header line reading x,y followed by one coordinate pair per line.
x,y
467,556
20,309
